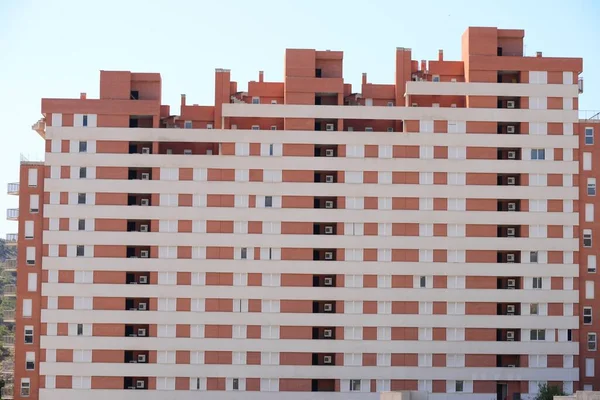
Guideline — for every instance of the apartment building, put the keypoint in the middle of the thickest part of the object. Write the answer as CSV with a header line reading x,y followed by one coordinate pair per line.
x,y
434,234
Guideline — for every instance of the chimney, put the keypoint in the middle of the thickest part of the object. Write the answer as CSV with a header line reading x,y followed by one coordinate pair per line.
x,y
183,99
440,55
423,65
82,96
261,76
538,54
364,78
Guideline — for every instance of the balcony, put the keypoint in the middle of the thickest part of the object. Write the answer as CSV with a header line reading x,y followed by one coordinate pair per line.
x,y
508,309
135,278
136,357
137,383
136,304
10,291
8,341
580,85
327,333
11,239
508,180
13,188
40,127
508,335
8,365
324,229
326,359
509,283
324,281
8,316
327,307
12,214
10,265
325,202
139,330
8,393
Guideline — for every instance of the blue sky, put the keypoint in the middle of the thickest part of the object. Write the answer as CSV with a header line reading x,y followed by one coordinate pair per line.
x,y
56,48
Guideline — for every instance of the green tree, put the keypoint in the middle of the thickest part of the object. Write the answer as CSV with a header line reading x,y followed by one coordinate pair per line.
x,y
547,392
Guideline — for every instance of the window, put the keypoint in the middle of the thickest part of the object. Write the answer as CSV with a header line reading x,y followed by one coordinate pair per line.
x,y
457,178
426,178
533,309
27,307
537,335
268,201
256,100
187,125
81,225
30,361
355,385
538,154
591,264
81,198
459,386
589,367
589,213
587,238
591,186
537,283
25,387
587,161
28,334
587,315
591,341
244,253
80,251
589,135
83,147
533,257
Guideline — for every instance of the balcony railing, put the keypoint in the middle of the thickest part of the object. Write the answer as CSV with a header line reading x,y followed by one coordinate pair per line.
x,y
10,290
589,114
13,188
11,238
8,341
12,214
10,265
8,393
8,315
580,84
8,365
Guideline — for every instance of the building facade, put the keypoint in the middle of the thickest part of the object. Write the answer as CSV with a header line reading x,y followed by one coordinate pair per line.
x,y
432,235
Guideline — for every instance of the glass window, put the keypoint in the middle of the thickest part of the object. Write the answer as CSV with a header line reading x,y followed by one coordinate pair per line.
x,y
82,172
81,198
587,315
589,135
83,147
591,341
459,386
591,186
355,385
80,251
81,225
537,334
538,154
533,257
268,201
85,120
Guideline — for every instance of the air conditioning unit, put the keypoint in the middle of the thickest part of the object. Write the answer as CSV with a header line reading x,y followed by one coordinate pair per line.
x,y
510,232
390,129
328,307
510,309
510,336
510,129
329,178
510,104
329,204
329,230
141,358
329,153
145,202
511,180
141,332
511,283
144,254
329,255
142,307
512,155
327,359
143,279
140,384
327,333
329,127
144,228
512,206
510,258
187,152
145,176
145,150
328,281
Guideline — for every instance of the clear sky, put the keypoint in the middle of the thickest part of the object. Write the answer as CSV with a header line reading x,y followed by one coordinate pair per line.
x,y
56,48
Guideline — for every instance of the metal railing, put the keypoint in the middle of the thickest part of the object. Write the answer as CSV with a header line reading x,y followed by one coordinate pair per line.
x,y
8,341
12,238
8,392
589,114
8,365
10,290
12,214
10,265
8,315
13,188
